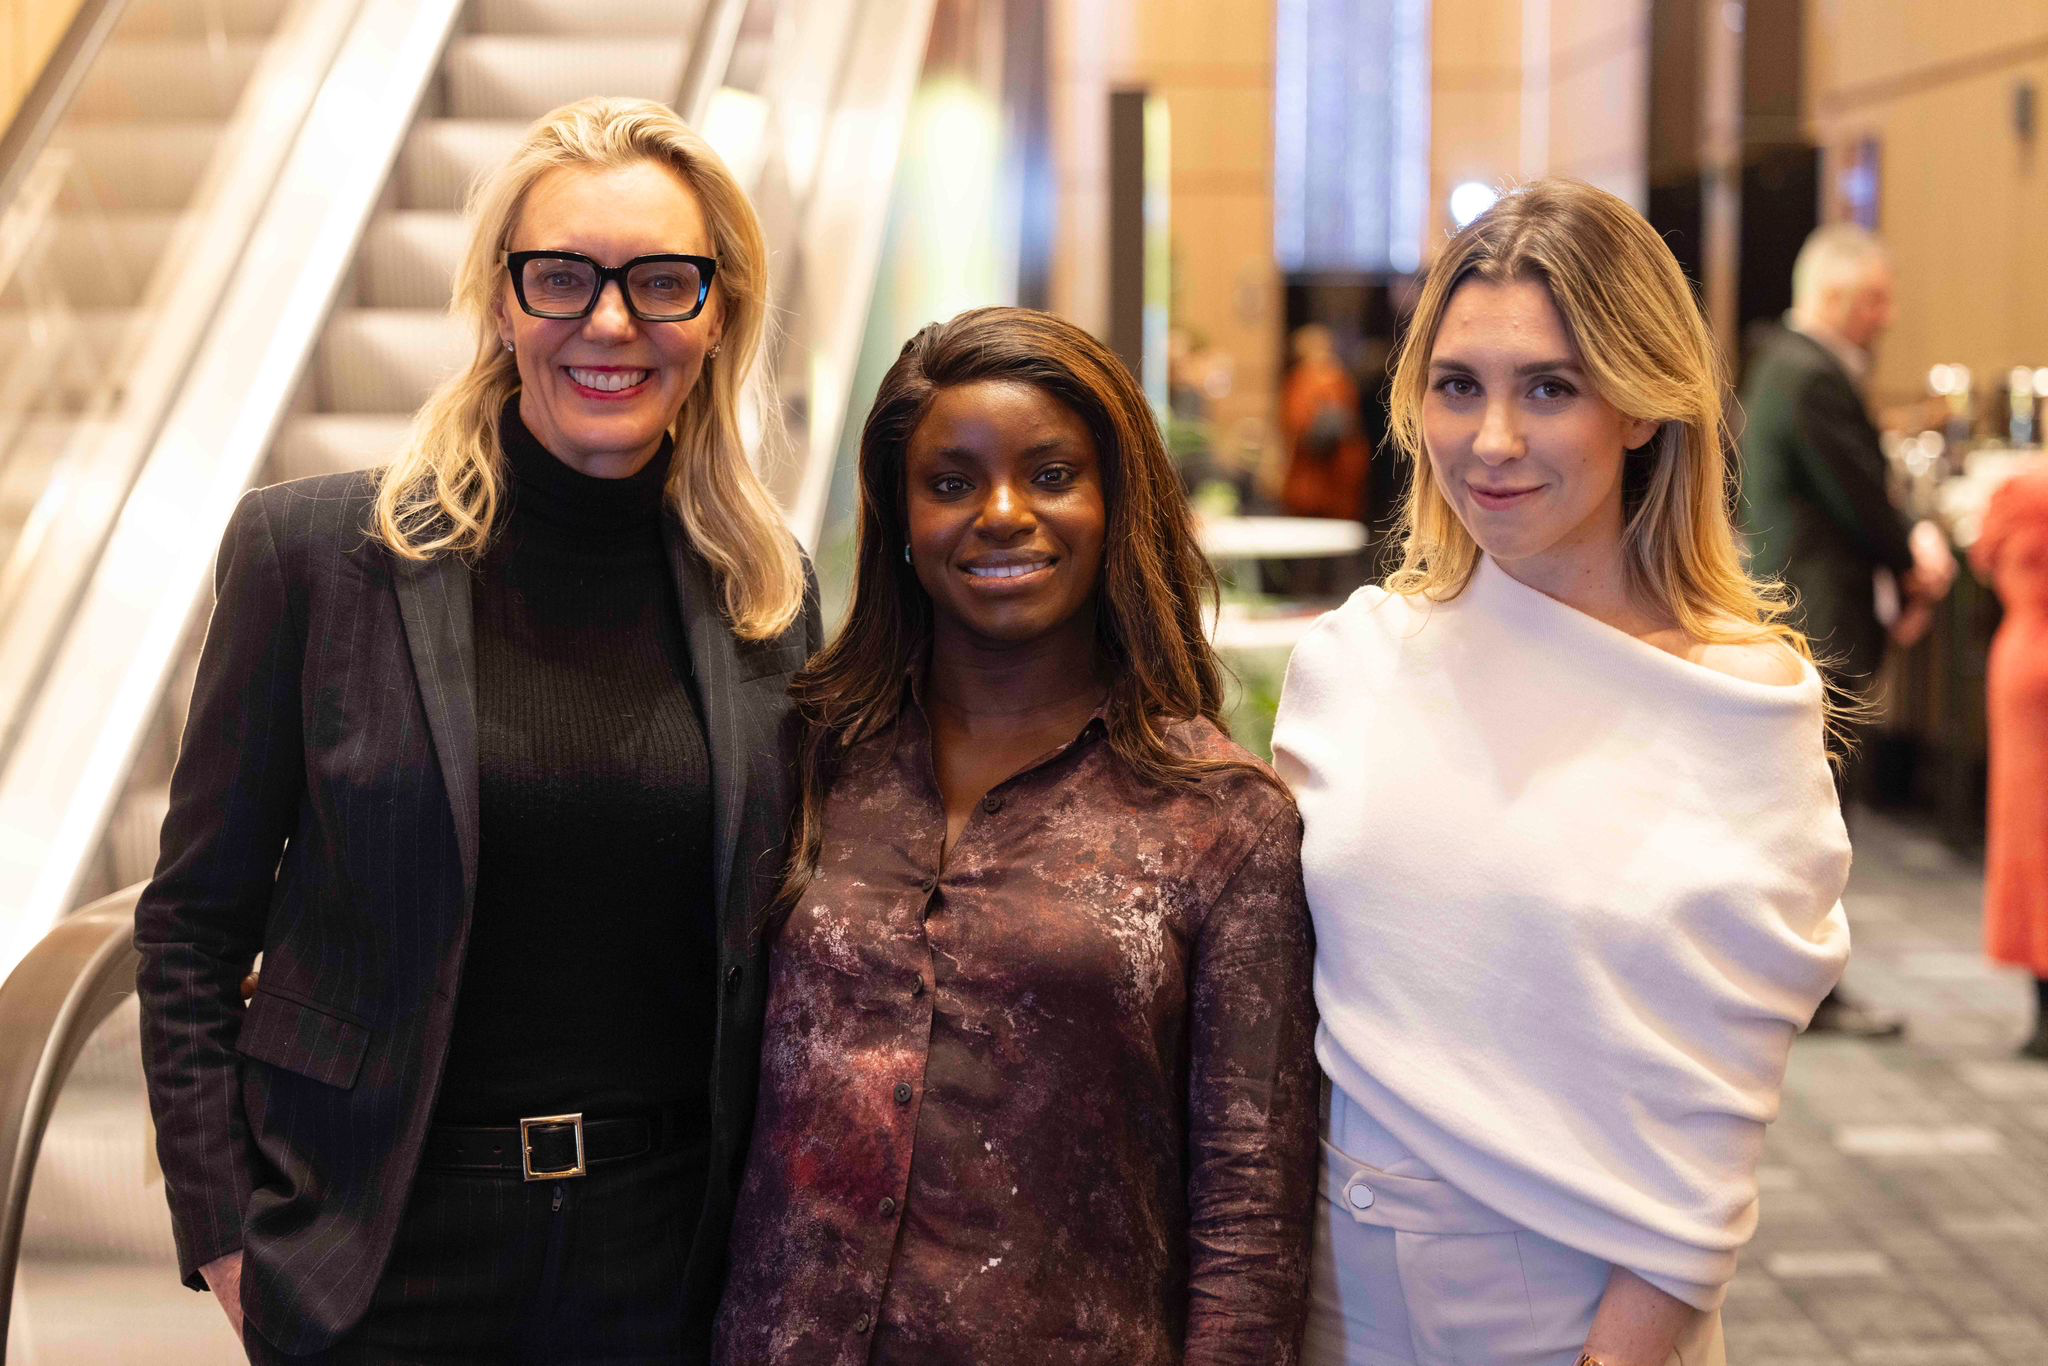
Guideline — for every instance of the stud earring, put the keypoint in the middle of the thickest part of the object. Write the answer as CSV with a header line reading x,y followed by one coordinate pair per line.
x,y
712,354
508,346
906,554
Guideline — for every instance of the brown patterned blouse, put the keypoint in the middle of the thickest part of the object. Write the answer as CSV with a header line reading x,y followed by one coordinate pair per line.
x,y
1053,1102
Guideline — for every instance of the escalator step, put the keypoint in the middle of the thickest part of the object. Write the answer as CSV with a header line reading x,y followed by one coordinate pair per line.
x,y
670,17
87,1198
409,258
523,77
387,360
443,156
328,443
94,1148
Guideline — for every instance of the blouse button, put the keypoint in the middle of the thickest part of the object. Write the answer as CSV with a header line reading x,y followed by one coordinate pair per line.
x,y
928,886
903,1093
1360,1196
991,804
916,987
888,1206
862,1324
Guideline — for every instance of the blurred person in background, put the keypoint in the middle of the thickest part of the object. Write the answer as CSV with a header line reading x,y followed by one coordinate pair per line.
x,y
1196,375
2011,553
1327,455
483,759
1815,506
1036,1081
1571,843
1328,460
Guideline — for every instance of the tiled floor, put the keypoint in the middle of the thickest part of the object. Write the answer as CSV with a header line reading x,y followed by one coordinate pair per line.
x,y
1905,1208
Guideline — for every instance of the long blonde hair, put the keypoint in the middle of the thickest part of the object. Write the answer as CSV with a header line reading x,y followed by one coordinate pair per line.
x,y
1647,350
442,495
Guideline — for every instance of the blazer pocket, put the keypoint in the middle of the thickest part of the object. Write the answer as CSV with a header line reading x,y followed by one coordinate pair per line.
x,y
303,1037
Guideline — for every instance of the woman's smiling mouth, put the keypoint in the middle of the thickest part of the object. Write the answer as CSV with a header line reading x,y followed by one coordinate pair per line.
x,y
1008,571
605,381
1500,498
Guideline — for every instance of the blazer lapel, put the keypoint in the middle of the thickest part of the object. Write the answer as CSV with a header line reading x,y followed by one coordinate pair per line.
x,y
715,666
433,601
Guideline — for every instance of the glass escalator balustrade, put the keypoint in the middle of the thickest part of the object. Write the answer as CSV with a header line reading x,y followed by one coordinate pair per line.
x,y
105,202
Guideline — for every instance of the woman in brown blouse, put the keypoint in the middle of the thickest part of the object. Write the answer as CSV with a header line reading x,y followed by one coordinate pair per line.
x,y
1036,1083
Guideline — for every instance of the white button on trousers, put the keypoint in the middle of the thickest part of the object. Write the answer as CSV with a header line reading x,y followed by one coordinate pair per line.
x,y
1455,1285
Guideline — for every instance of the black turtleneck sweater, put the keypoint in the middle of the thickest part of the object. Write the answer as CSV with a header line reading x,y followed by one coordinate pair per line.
x,y
590,982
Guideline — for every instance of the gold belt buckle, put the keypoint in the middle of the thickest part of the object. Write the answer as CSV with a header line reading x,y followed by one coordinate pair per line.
x,y
526,1128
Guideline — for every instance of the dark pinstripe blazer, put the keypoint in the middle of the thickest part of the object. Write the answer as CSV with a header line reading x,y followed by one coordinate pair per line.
x,y
1814,501
324,811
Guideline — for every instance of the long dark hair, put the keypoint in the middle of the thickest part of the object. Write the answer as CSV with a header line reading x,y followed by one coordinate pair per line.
x,y
1155,580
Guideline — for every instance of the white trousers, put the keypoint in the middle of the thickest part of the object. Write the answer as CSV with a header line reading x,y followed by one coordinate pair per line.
x,y
1411,1271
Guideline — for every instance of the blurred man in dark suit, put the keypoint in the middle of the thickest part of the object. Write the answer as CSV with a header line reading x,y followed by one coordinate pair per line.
x,y
1814,498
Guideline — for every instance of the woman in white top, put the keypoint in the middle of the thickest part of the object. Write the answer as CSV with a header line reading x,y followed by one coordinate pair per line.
x,y
1572,848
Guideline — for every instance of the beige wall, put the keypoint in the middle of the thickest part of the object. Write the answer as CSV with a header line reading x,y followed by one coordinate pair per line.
x,y
29,29
1963,200
1526,88
1520,88
1212,63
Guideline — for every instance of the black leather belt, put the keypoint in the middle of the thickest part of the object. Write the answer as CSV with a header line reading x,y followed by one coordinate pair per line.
x,y
544,1147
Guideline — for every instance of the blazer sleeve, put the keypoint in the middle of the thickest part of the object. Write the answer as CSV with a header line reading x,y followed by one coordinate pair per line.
x,y
235,796
1844,466
1252,1111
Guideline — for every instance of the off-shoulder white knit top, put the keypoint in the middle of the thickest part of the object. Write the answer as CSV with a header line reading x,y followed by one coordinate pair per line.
x,y
1573,897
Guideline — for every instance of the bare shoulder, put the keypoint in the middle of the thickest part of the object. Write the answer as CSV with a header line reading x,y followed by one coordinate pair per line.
x,y
1770,662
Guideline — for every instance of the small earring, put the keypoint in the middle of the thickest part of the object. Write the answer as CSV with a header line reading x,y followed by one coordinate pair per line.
x,y
508,346
906,554
712,354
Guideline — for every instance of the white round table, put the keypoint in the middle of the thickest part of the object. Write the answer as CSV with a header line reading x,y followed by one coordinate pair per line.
x,y
1280,538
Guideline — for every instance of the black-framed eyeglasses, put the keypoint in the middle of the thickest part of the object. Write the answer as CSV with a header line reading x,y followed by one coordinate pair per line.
x,y
664,288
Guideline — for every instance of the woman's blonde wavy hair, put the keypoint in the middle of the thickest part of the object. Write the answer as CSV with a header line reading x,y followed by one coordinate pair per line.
x,y
1639,333
442,495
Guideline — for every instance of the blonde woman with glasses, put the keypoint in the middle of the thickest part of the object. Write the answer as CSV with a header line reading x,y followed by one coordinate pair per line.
x,y
1572,849
484,759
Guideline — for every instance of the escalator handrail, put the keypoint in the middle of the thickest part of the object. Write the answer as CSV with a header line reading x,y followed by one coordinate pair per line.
x,y
49,99
709,59
50,1005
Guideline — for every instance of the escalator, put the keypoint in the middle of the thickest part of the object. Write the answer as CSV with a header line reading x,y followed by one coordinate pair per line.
x,y
225,251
